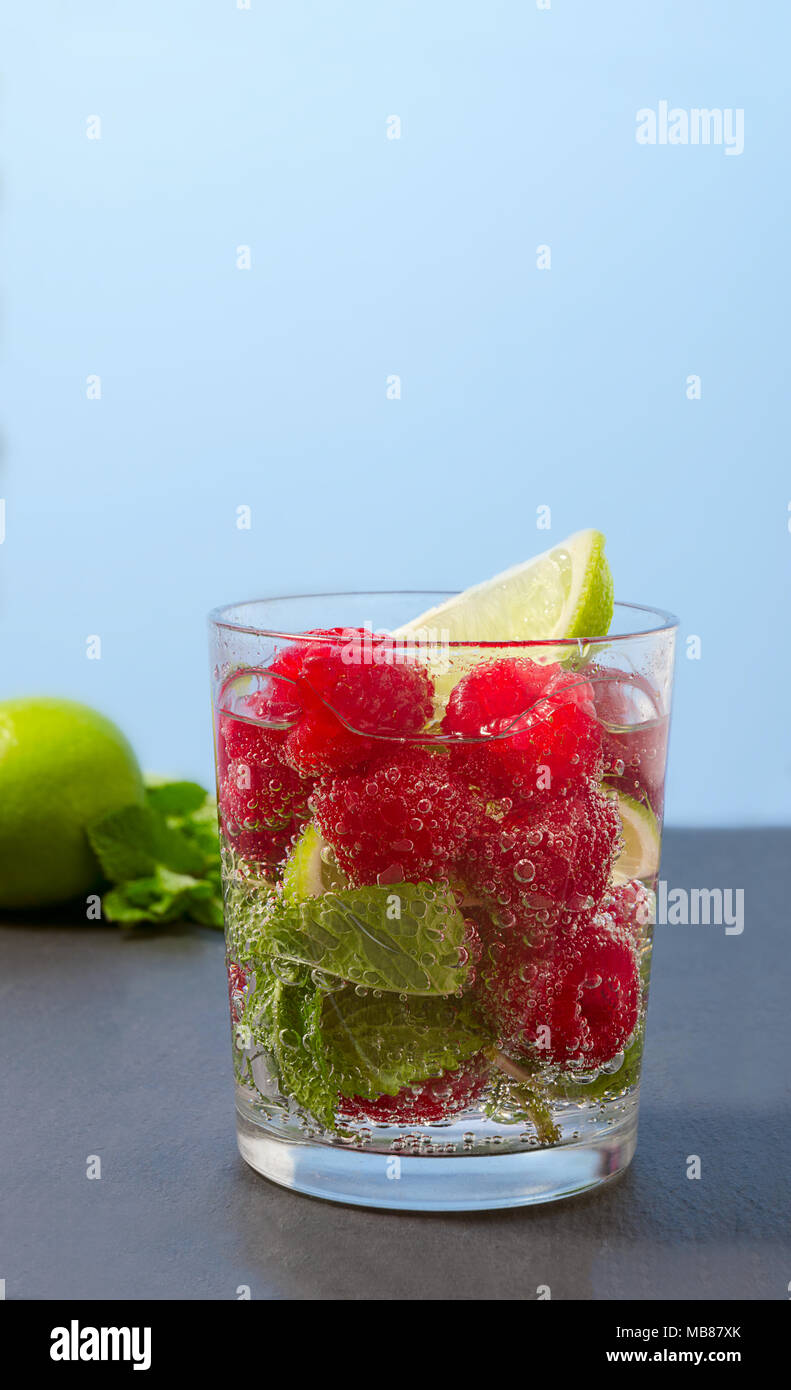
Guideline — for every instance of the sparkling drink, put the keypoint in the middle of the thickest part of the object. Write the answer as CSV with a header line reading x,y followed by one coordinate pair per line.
x,y
439,866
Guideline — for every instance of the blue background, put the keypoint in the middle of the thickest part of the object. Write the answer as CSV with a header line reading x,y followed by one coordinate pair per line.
x,y
223,387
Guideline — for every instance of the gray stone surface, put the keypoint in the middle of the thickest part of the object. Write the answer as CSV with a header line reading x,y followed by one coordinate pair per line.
x,y
117,1044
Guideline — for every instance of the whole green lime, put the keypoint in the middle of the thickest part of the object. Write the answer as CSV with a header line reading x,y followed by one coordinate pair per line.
x,y
61,766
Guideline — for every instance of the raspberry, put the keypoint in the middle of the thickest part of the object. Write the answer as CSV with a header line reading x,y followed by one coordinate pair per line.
x,y
630,907
574,1005
369,682
557,855
427,1102
320,745
237,984
262,806
534,728
635,747
351,687
560,750
258,796
268,847
491,696
334,691
249,743
403,818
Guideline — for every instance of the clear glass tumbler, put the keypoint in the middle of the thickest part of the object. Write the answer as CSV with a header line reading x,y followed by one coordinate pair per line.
x,y
440,862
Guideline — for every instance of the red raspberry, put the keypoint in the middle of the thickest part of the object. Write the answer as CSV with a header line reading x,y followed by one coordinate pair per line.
x,y
634,735
335,690
237,984
268,847
559,751
259,796
262,806
403,818
370,682
491,697
574,1005
427,1102
630,907
319,745
352,686
274,703
534,728
248,743
557,855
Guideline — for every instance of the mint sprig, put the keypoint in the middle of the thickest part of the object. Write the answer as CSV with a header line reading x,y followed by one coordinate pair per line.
x,y
405,938
517,1089
163,897
299,1049
174,798
162,858
377,1046
338,1043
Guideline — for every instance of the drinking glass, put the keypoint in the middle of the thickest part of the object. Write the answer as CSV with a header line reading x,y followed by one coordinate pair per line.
x,y
440,862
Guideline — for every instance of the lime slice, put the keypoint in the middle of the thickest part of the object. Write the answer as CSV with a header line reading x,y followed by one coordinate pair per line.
x,y
566,592
309,869
639,857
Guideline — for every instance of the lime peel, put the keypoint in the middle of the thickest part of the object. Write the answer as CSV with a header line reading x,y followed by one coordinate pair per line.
x,y
566,592
639,857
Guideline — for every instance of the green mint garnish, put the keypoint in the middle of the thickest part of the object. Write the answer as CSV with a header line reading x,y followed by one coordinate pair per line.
x,y
174,798
379,1045
162,858
299,1050
328,1044
123,842
406,938
162,897
519,1091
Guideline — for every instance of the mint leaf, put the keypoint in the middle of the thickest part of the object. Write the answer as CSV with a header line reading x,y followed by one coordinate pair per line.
x,y
206,910
174,798
162,897
301,1060
131,842
129,902
173,849
158,897
376,1046
200,829
326,1044
123,842
282,1016
258,1023
163,858
406,938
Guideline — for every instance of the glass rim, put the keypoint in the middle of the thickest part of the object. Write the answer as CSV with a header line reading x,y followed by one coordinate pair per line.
x,y
668,622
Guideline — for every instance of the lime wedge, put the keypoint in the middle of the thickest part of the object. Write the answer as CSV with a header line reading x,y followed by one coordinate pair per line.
x,y
309,869
566,592
639,857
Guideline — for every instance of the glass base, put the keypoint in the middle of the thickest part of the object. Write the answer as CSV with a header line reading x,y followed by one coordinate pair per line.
x,y
471,1182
